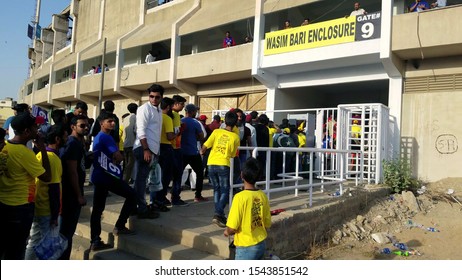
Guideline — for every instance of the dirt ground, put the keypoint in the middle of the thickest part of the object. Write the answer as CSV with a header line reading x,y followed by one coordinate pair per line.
x,y
392,217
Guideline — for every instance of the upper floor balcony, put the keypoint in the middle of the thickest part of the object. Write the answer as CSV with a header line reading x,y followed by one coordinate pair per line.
x,y
427,34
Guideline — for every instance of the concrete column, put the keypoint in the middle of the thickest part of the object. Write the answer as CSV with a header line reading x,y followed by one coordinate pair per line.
x,y
395,98
270,104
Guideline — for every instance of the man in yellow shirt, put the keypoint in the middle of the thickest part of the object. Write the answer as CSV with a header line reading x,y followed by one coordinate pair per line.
x,y
223,144
159,199
17,192
249,216
178,105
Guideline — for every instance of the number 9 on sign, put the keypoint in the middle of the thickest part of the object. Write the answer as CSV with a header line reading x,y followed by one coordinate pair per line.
x,y
114,169
367,30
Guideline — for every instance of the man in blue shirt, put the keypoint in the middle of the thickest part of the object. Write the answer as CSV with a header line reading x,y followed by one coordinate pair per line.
x,y
191,134
107,176
419,6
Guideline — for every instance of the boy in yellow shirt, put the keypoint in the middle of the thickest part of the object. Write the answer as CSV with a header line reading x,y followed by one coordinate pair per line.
x,y
249,216
223,144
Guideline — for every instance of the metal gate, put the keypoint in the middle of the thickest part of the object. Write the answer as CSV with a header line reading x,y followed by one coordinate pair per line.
x,y
364,127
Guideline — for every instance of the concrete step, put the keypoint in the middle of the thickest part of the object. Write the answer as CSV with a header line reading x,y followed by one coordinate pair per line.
x,y
83,230
189,226
154,248
147,243
81,251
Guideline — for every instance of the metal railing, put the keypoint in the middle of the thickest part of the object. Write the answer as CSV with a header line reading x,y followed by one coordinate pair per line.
x,y
335,173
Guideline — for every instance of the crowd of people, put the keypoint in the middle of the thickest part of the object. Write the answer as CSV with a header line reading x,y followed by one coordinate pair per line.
x,y
146,152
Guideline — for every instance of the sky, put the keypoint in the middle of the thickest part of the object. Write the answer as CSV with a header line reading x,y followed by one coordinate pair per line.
x,y
14,43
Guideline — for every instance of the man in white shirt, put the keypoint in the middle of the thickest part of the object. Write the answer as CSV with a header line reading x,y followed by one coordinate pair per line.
x,y
150,57
129,124
147,145
438,4
358,10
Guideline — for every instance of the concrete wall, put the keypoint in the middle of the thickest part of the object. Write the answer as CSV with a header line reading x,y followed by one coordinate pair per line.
x,y
431,136
296,231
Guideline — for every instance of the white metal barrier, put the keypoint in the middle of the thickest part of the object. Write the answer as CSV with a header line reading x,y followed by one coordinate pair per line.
x,y
325,177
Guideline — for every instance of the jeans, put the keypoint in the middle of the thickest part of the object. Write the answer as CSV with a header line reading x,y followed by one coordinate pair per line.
x,y
195,161
129,163
119,187
70,213
237,171
177,172
219,176
255,252
142,171
40,227
16,222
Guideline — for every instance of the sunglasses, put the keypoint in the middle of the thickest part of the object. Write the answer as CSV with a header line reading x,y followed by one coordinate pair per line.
x,y
155,96
82,125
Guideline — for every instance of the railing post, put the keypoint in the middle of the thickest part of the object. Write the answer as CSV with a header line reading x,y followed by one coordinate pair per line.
x,y
342,171
311,178
297,163
268,171
231,183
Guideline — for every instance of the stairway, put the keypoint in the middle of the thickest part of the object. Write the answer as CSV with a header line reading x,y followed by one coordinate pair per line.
x,y
184,233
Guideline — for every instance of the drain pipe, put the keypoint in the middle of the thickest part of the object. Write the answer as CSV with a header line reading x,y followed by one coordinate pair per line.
x,y
188,88
120,56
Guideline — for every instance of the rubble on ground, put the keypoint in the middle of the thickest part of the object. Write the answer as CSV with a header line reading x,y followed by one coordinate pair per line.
x,y
387,217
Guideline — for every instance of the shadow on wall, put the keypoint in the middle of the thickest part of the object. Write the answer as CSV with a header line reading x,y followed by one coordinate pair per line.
x,y
410,153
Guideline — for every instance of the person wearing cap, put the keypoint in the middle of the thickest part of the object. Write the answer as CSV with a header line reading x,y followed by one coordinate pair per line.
x,y
355,143
216,123
17,192
193,133
17,109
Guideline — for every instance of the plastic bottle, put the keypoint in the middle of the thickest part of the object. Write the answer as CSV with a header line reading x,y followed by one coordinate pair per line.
x,y
401,246
386,251
401,253
274,257
411,224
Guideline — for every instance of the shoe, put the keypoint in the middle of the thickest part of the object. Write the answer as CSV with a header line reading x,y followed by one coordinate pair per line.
x,y
180,203
134,212
167,202
148,215
219,221
100,245
200,199
122,231
158,207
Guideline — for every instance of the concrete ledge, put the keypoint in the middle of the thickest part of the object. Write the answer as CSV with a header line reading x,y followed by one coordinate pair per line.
x,y
295,231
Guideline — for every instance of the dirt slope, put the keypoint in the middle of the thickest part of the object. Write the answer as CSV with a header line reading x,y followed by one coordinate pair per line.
x,y
391,216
